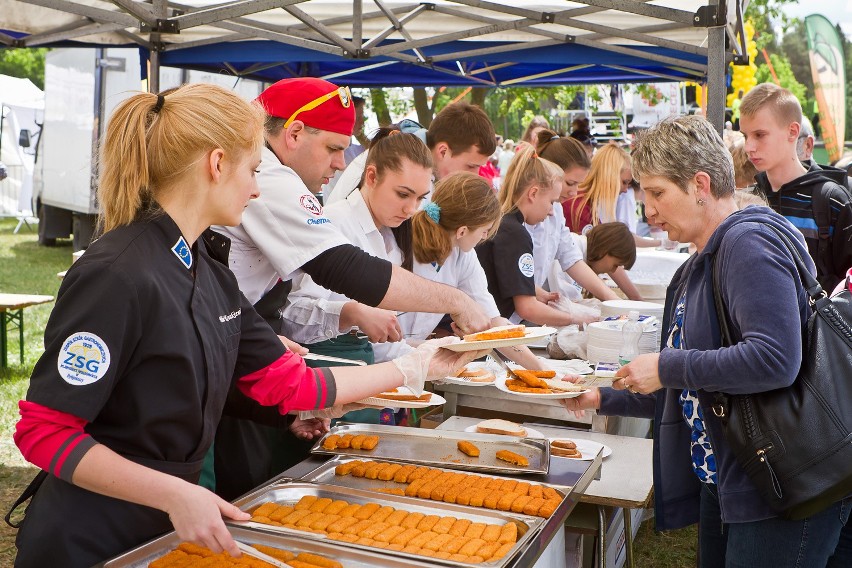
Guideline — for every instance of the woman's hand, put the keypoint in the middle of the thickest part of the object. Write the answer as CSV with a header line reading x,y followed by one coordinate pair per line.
x,y
640,376
379,325
197,517
579,404
310,428
293,346
544,296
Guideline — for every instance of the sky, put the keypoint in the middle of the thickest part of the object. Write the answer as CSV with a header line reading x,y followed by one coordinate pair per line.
x,y
837,11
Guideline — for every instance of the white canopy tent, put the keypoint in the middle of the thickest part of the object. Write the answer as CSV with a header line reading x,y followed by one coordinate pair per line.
x,y
459,41
21,108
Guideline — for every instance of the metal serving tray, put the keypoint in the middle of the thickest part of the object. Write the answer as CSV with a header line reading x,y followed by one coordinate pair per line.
x,y
325,474
350,557
290,493
439,448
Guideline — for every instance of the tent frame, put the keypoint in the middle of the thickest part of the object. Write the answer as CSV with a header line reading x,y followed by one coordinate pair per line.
x,y
154,25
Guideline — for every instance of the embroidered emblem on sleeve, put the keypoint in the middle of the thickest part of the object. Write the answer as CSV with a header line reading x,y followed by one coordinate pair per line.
x,y
83,359
182,251
526,264
310,204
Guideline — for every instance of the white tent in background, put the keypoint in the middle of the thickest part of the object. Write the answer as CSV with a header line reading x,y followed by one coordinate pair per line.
x,y
21,108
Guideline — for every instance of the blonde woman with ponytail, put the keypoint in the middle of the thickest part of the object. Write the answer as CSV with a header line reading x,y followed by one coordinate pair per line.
x,y
530,189
150,332
463,213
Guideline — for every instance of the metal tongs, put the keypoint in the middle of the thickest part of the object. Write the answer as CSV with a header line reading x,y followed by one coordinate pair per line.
x,y
252,551
503,363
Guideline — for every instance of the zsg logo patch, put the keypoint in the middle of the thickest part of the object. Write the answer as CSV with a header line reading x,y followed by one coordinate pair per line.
x,y
83,359
526,264
310,204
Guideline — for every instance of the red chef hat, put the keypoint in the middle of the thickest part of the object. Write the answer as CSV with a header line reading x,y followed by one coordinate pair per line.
x,y
316,102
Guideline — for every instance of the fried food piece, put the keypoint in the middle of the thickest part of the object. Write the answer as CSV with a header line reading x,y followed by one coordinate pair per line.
x,y
365,541
488,549
305,502
439,491
426,552
533,506
389,533
350,509
536,491
348,537
373,530
475,530
373,469
531,379
370,443
468,448
401,475
452,493
463,498
508,533
491,500
477,497
355,443
387,473
341,525
499,332
395,519
418,473
366,511
320,505
426,489
323,522
442,555
357,527
549,507
414,487
502,551
438,542
169,559
318,560
431,474
391,490
519,503
494,483
412,520
513,458
396,547
330,443
382,514
421,539
264,509
505,502
517,385
295,516
264,520
360,469
481,482
460,558
444,525
345,441
411,549
550,493
428,522
195,550
294,563
472,546
454,545
345,468
404,537
460,527
491,533
379,544
283,555
280,513
522,488
336,507
509,485
308,519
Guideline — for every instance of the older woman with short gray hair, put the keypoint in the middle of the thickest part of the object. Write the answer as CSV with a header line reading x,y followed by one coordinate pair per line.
x,y
688,178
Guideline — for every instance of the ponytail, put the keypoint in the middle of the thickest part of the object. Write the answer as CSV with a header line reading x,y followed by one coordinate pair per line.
x,y
601,187
525,170
567,153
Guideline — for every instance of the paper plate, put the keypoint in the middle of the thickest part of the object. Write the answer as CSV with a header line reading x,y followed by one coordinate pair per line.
x,y
569,366
386,403
588,448
488,365
532,335
500,383
531,433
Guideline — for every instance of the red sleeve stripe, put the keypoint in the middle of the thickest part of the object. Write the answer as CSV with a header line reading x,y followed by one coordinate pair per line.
x,y
290,384
48,438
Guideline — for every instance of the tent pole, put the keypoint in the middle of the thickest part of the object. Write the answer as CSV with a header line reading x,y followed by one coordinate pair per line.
x,y
716,65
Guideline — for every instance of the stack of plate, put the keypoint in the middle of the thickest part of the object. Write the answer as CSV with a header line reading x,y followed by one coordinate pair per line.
x,y
605,341
624,307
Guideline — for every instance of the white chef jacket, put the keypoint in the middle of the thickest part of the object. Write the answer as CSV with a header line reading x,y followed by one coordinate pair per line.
x,y
625,210
280,231
461,270
552,240
312,313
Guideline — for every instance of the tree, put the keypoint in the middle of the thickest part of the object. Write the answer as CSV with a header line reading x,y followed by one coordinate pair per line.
x,y
25,63
785,77
763,13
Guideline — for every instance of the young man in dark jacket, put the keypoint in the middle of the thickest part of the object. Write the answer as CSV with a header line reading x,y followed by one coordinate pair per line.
x,y
813,199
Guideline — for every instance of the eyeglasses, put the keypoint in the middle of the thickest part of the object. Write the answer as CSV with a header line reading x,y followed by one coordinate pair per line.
x,y
342,92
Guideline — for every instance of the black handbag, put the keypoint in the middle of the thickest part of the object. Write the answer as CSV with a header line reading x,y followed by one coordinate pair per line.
x,y
795,442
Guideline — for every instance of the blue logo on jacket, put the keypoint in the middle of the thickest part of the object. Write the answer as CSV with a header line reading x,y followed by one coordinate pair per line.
x,y
182,251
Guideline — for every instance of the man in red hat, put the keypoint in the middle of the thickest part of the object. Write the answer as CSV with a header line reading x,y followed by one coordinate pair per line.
x,y
284,232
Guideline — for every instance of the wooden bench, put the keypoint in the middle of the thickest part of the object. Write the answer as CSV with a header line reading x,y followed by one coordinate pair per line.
x,y
12,315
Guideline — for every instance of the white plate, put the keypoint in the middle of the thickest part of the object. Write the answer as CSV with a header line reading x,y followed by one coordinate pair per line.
x,y
386,403
532,334
500,383
530,432
488,365
588,448
569,366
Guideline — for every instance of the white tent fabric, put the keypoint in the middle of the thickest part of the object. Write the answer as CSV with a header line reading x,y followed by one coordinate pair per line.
x,y
22,106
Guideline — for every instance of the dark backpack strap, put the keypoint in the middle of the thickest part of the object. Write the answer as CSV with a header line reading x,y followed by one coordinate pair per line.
x,y
31,490
822,215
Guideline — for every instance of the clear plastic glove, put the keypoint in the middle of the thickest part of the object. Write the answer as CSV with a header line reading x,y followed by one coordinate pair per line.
x,y
311,428
331,412
430,362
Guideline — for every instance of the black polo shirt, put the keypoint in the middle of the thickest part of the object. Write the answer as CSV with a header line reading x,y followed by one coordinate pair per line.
x,y
507,260
144,342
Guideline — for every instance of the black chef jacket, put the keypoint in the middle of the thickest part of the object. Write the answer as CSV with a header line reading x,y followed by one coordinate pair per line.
x,y
507,260
146,353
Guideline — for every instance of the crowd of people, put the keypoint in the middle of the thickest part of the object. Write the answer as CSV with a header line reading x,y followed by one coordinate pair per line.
x,y
173,358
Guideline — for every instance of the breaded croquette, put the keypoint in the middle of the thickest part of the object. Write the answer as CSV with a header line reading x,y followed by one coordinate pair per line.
x,y
532,507
460,527
468,448
345,441
370,442
491,533
330,443
475,530
508,533
513,458
388,472
305,502
355,443
318,560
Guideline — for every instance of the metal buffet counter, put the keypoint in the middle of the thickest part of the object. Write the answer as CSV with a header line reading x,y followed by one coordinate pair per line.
x,y
319,479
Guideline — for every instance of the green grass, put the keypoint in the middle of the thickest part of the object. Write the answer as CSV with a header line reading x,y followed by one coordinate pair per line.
x,y
27,268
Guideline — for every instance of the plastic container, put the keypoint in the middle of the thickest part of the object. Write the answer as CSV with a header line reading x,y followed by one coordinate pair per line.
x,y
631,333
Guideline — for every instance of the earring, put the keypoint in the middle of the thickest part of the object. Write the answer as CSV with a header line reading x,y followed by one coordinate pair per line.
x,y
700,202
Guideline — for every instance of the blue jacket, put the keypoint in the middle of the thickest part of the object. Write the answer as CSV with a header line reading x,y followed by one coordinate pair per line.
x,y
768,308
